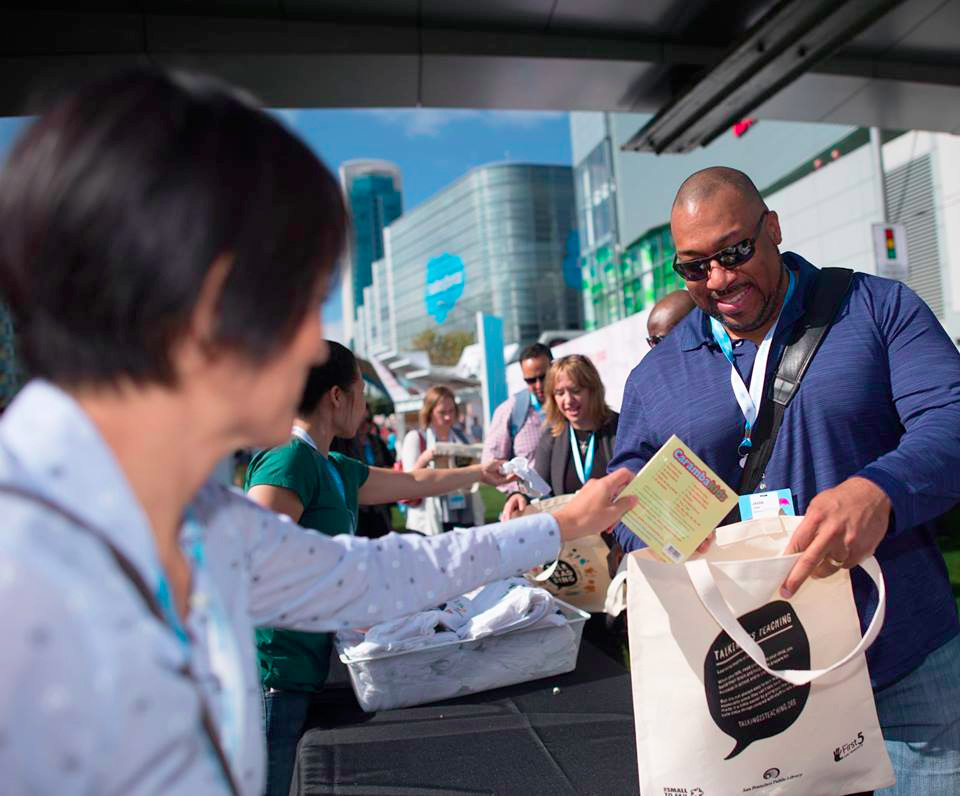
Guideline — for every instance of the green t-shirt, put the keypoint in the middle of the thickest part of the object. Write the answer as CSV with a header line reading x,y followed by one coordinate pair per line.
x,y
291,659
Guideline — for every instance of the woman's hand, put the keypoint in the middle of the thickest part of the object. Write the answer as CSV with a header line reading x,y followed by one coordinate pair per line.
x,y
424,459
491,475
596,507
514,506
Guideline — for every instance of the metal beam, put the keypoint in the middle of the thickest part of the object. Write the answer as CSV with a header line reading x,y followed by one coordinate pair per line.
x,y
304,63
880,66
786,42
48,34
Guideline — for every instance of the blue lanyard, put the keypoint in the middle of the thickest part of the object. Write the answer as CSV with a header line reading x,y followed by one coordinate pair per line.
x,y
225,659
165,598
537,407
335,476
304,436
749,398
583,471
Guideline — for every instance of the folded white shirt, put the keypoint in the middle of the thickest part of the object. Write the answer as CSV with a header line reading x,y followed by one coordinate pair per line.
x,y
499,607
508,605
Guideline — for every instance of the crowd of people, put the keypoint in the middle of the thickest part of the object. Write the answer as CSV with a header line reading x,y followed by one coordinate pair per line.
x,y
166,247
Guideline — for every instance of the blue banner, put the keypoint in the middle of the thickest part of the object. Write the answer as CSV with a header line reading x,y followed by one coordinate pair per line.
x,y
493,371
446,279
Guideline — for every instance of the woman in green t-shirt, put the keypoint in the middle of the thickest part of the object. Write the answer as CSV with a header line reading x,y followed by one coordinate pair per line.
x,y
322,490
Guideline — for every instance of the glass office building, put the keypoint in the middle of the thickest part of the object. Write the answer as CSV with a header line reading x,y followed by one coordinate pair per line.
x,y
822,179
373,191
511,226
624,199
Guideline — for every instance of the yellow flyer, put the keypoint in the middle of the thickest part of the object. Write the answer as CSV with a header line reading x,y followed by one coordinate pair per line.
x,y
681,501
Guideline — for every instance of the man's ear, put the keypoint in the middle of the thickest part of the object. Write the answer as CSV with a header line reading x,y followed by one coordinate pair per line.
x,y
773,228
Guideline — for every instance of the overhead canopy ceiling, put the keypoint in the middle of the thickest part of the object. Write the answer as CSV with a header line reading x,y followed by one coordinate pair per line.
x,y
890,63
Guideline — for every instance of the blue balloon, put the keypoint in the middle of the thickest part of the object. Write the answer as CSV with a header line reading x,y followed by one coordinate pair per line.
x,y
446,279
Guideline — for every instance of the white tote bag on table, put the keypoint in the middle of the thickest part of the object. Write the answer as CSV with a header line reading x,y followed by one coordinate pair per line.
x,y
713,717
581,575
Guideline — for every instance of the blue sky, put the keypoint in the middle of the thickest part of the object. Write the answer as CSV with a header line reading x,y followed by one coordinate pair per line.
x,y
432,147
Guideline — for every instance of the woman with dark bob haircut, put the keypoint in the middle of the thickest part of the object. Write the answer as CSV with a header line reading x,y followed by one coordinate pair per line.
x,y
165,248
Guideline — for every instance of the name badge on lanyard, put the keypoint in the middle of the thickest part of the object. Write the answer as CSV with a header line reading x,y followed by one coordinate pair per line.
x,y
304,436
583,467
749,398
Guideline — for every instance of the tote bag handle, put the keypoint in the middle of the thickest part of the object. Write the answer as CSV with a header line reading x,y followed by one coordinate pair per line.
x,y
702,578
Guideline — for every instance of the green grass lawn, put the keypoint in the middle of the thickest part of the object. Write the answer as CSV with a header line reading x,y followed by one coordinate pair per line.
x,y
492,500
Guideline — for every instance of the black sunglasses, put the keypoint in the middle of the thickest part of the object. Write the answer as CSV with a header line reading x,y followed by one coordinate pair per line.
x,y
535,379
729,257
655,339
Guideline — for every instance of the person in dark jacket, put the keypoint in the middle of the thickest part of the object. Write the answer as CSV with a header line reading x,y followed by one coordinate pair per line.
x,y
577,444
368,446
582,430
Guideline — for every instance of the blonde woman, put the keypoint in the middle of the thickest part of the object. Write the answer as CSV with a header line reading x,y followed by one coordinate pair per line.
x,y
581,430
460,509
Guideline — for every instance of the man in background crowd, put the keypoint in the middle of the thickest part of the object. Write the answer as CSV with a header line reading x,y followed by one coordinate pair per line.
x,y
517,423
368,447
666,314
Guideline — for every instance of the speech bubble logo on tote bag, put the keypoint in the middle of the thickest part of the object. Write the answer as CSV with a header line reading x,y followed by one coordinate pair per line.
x,y
745,702
446,279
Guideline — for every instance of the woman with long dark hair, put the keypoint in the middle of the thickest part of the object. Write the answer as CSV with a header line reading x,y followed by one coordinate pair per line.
x,y
323,490
165,248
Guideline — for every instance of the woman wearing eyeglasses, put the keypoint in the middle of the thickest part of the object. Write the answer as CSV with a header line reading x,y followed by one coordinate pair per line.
x,y
582,430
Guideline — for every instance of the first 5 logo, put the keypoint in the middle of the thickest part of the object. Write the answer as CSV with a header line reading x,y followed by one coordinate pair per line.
x,y
847,749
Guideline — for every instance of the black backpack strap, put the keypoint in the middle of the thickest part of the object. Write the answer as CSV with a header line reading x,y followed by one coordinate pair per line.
x,y
133,576
824,300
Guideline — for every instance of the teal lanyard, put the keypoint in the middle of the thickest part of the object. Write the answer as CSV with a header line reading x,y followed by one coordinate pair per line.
x,y
749,398
537,407
195,554
169,612
583,470
223,650
337,479
334,473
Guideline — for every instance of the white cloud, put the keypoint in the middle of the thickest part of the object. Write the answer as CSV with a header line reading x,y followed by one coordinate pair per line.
x,y
428,122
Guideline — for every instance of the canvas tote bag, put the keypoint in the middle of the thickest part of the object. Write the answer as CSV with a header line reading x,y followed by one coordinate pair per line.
x,y
735,689
581,575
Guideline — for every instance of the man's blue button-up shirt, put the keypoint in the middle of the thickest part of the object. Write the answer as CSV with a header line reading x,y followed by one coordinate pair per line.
x,y
880,400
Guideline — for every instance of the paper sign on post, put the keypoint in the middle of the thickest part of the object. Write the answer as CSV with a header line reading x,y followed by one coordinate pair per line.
x,y
680,502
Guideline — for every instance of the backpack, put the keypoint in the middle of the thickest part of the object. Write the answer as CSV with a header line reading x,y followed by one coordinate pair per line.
x,y
518,416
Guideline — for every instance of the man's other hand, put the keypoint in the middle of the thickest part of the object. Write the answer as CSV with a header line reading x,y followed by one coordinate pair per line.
x,y
841,528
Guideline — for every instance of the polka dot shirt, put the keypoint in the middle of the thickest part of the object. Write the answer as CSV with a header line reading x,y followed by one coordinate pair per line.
x,y
90,697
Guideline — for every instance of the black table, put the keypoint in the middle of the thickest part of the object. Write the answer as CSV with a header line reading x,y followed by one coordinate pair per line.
x,y
523,739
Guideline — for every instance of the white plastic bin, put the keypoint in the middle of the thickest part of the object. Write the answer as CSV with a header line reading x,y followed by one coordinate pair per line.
x,y
456,668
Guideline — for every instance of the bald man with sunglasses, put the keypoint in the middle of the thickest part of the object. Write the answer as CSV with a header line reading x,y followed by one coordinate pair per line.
x,y
869,445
